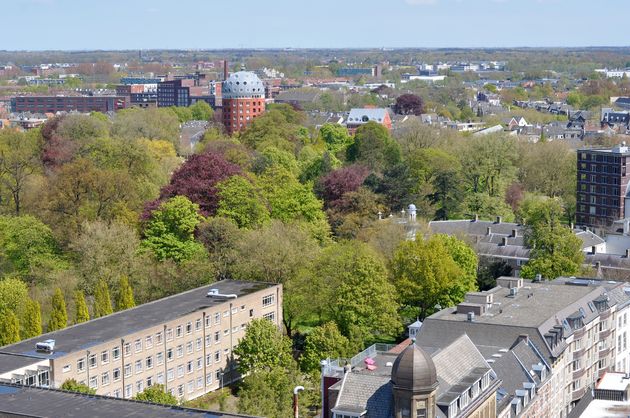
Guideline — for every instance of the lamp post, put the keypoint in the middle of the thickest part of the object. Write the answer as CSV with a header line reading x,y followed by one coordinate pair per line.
x,y
296,390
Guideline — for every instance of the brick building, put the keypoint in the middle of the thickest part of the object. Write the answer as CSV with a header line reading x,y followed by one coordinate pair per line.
x,y
243,100
602,186
184,342
54,104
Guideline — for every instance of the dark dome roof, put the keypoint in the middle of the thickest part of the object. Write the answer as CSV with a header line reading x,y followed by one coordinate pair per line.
x,y
414,370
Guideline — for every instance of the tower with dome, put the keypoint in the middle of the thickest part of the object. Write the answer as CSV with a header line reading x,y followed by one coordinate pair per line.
x,y
243,100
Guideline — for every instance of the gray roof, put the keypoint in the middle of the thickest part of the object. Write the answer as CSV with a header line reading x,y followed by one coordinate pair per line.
x,y
298,95
363,391
242,84
85,335
38,402
359,116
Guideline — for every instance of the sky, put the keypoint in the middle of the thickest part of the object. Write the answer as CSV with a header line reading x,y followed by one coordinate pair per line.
x,y
216,24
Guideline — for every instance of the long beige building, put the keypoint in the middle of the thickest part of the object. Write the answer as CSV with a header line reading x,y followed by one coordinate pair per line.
x,y
184,342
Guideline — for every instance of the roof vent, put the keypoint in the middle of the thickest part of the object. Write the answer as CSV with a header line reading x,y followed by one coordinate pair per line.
x,y
513,291
46,345
471,316
214,292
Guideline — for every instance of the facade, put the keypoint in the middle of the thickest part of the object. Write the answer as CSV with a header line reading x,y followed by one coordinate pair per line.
x,y
184,342
243,98
602,186
570,328
54,104
174,92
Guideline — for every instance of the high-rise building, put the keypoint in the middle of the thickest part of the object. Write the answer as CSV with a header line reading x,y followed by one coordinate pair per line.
x,y
243,100
602,186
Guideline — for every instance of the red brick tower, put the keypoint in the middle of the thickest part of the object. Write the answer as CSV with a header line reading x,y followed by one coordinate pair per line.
x,y
243,100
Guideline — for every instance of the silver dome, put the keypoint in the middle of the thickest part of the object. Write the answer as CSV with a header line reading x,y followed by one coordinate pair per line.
x,y
243,85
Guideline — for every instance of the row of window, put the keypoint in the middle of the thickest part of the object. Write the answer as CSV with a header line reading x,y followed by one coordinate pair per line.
x,y
609,201
584,156
602,168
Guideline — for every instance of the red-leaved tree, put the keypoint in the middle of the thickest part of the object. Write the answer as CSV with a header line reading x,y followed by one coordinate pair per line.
x,y
335,184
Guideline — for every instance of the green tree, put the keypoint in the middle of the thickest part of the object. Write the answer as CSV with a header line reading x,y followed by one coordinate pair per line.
x,y
556,250
323,342
169,233
156,394
13,295
426,275
19,161
59,315
201,110
150,123
81,313
184,114
31,323
335,137
72,385
241,202
124,297
102,300
374,147
9,327
263,348
353,291
466,259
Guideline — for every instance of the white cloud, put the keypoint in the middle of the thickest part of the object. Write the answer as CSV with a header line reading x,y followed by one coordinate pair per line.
x,y
421,2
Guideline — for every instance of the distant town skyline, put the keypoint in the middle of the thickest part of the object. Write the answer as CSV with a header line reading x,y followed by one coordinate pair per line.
x,y
195,24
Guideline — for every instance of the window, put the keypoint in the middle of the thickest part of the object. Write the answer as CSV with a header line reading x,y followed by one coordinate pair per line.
x,y
199,382
251,313
271,316
149,362
116,374
188,328
208,359
189,347
234,311
180,351
180,370
137,345
208,340
105,379
170,375
128,391
80,365
180,390
208,321
217,318
138,366
92,361
127,349
169,354
235,329
148,342
159,358
139,386
189,367
105,357
116,393
169,334
66,368
226,331
127,370
197,324
208,379
226,313
267,300
199,344
93,382
158,338
179,331
217,356
217,337
149,381
160,378
199,363
190,386
116,353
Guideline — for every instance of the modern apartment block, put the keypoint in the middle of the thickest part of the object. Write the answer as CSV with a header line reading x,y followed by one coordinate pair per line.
x,y
184,342
570,332
602,186
54,104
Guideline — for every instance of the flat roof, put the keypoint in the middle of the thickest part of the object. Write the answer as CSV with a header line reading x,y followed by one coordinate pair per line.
x,y
38,402
608,409
532,306
613,381
85,335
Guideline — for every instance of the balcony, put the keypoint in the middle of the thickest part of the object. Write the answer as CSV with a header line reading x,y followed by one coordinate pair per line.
x,y
579,373
578,394
605,314
579,333
578,354
605,334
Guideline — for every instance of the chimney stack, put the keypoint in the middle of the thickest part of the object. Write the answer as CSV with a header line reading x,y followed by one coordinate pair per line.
x,y
488,231
627,253
514,233
594,249
499,219
504,241
476,218
225,69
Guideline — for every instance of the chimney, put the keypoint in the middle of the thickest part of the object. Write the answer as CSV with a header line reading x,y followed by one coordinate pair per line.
x,y
471,316
523,337
598,265
627,253
476,218
225,69
488,231
514,233
593,250
499,219
504,241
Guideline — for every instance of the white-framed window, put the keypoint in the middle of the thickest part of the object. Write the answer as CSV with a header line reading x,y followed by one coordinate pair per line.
x,y
208,359
127,370
180,370
105,379
226,331
160,378
189,367
105,357
180,390
217,356
180,351
226,313
139,386
188,328
159,358
127,349
169,334
189,347
199,363
217,337
138,366
198,324
208,340
116,374
137,345
148,341
199,382
149,381
116,393
158,338
271,316
149,362
208,379
66,368
179,331
81,365
169,354
208,321
217,318
198,344
128,391
170,375
268,300
93,382
116,353
92,361
191,386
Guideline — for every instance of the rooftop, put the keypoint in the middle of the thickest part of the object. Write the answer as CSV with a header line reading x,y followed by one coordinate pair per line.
x,y
613,381
37,402
116,325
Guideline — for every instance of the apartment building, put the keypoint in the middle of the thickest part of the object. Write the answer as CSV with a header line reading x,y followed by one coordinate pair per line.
x,y
184,342
54,104
571,328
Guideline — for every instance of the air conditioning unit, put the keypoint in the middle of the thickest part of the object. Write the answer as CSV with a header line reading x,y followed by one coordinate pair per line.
x,y
47,346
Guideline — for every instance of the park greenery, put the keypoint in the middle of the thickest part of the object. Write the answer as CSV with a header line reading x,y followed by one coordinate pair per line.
x,y
99,214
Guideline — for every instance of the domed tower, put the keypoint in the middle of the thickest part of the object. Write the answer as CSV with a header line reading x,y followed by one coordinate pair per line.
x,y
415,384
243,100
